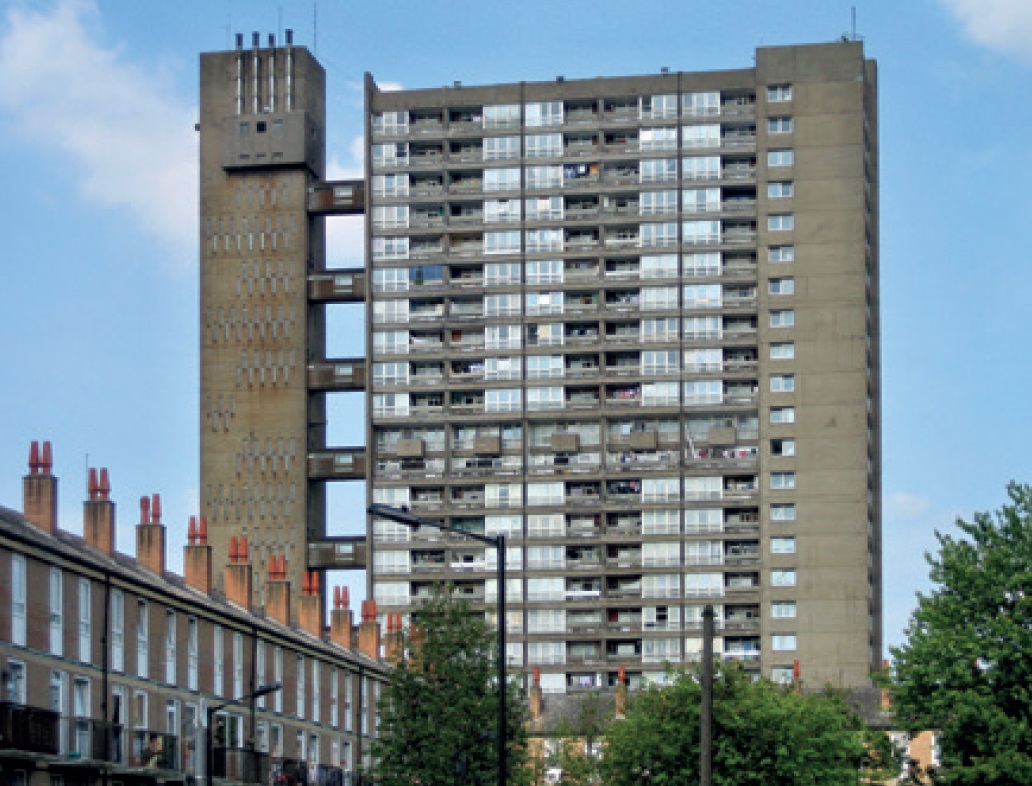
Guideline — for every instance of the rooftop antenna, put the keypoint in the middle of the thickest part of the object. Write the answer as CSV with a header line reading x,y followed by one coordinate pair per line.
x,y
852,27
315,28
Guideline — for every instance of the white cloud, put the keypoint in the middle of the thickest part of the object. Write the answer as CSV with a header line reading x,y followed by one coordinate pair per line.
x,y
904,505
130,145
1003,25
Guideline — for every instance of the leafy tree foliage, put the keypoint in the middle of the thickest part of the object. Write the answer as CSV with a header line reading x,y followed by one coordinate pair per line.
x,y
966,667
439,709
762,734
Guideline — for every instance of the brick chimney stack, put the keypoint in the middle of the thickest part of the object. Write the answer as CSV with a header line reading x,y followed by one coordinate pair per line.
x,y
394,646
39,489
239,574
369,631
150,536
197,556
98,514
535,695
341,619
277,591
311,611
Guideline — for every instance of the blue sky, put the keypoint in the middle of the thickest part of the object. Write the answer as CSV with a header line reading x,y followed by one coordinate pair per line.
x,y
98,295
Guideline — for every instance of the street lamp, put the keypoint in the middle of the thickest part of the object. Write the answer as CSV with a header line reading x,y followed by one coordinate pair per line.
x,y
404,516
263,690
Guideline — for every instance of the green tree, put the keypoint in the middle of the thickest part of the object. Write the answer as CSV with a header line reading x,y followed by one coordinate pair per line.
x,y
762,734
966,667
439,709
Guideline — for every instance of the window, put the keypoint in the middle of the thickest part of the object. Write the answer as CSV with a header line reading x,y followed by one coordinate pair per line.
x,y
700,168
391,154
501,147
782,383
546,621
546,652
701,136
658,107
782,447
192,655
780,190
700,104
783,609
316,691
784,511
703,391
543,145
544,113
85,641
277,667
390,342
782,545
659,266
782,480
781,286
781,254
547,208
780,157
782,318
700,200
238,664
544,176
702,296
219,661
783,642
782,350
170,647
783,578
299,698
142,640
390,185
539,240
19,589
385,248
502,116
661,234
651,139
390,373
654,203
779,125
334,718
503,400
259,669
117,630
56,612
502,179
701,232
348,689
781,223
391,279
663,361
658,170
502,337
779,92
390,216
544,398
502,273
15,688
547,271
782,415
507,242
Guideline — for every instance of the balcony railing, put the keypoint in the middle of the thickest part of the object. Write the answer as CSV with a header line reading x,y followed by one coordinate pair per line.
x,y
27,728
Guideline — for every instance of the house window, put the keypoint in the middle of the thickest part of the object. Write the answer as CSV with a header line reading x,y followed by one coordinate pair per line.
x,y
782,545
18,594
170,647
781,286
334,697
783,643
238,664
277,665
782,383
779,125
300,683
142,640
782,480
782,415
782,318
218,669
784,511
780,190
117,630
782,222
192,654
779,93
782,350
780,157
781,254
14,690
316,692
782,447
56,612
259,669
85,638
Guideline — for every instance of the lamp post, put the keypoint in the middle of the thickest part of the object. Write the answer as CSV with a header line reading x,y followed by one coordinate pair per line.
x,y
404,516
263,690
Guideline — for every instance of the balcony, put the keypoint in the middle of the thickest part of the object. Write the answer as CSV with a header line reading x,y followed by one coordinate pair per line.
x,y
337,464
342,286
337,374
27,728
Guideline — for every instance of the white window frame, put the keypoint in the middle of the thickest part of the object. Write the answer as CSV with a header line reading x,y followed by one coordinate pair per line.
x,y
171,636
85,622
56,612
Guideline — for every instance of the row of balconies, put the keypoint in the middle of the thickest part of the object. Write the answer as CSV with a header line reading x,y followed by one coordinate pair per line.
x,y
417,184
396,157
575,113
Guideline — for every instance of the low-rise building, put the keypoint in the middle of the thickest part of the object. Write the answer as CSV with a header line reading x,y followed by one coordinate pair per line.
x,y
117,670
